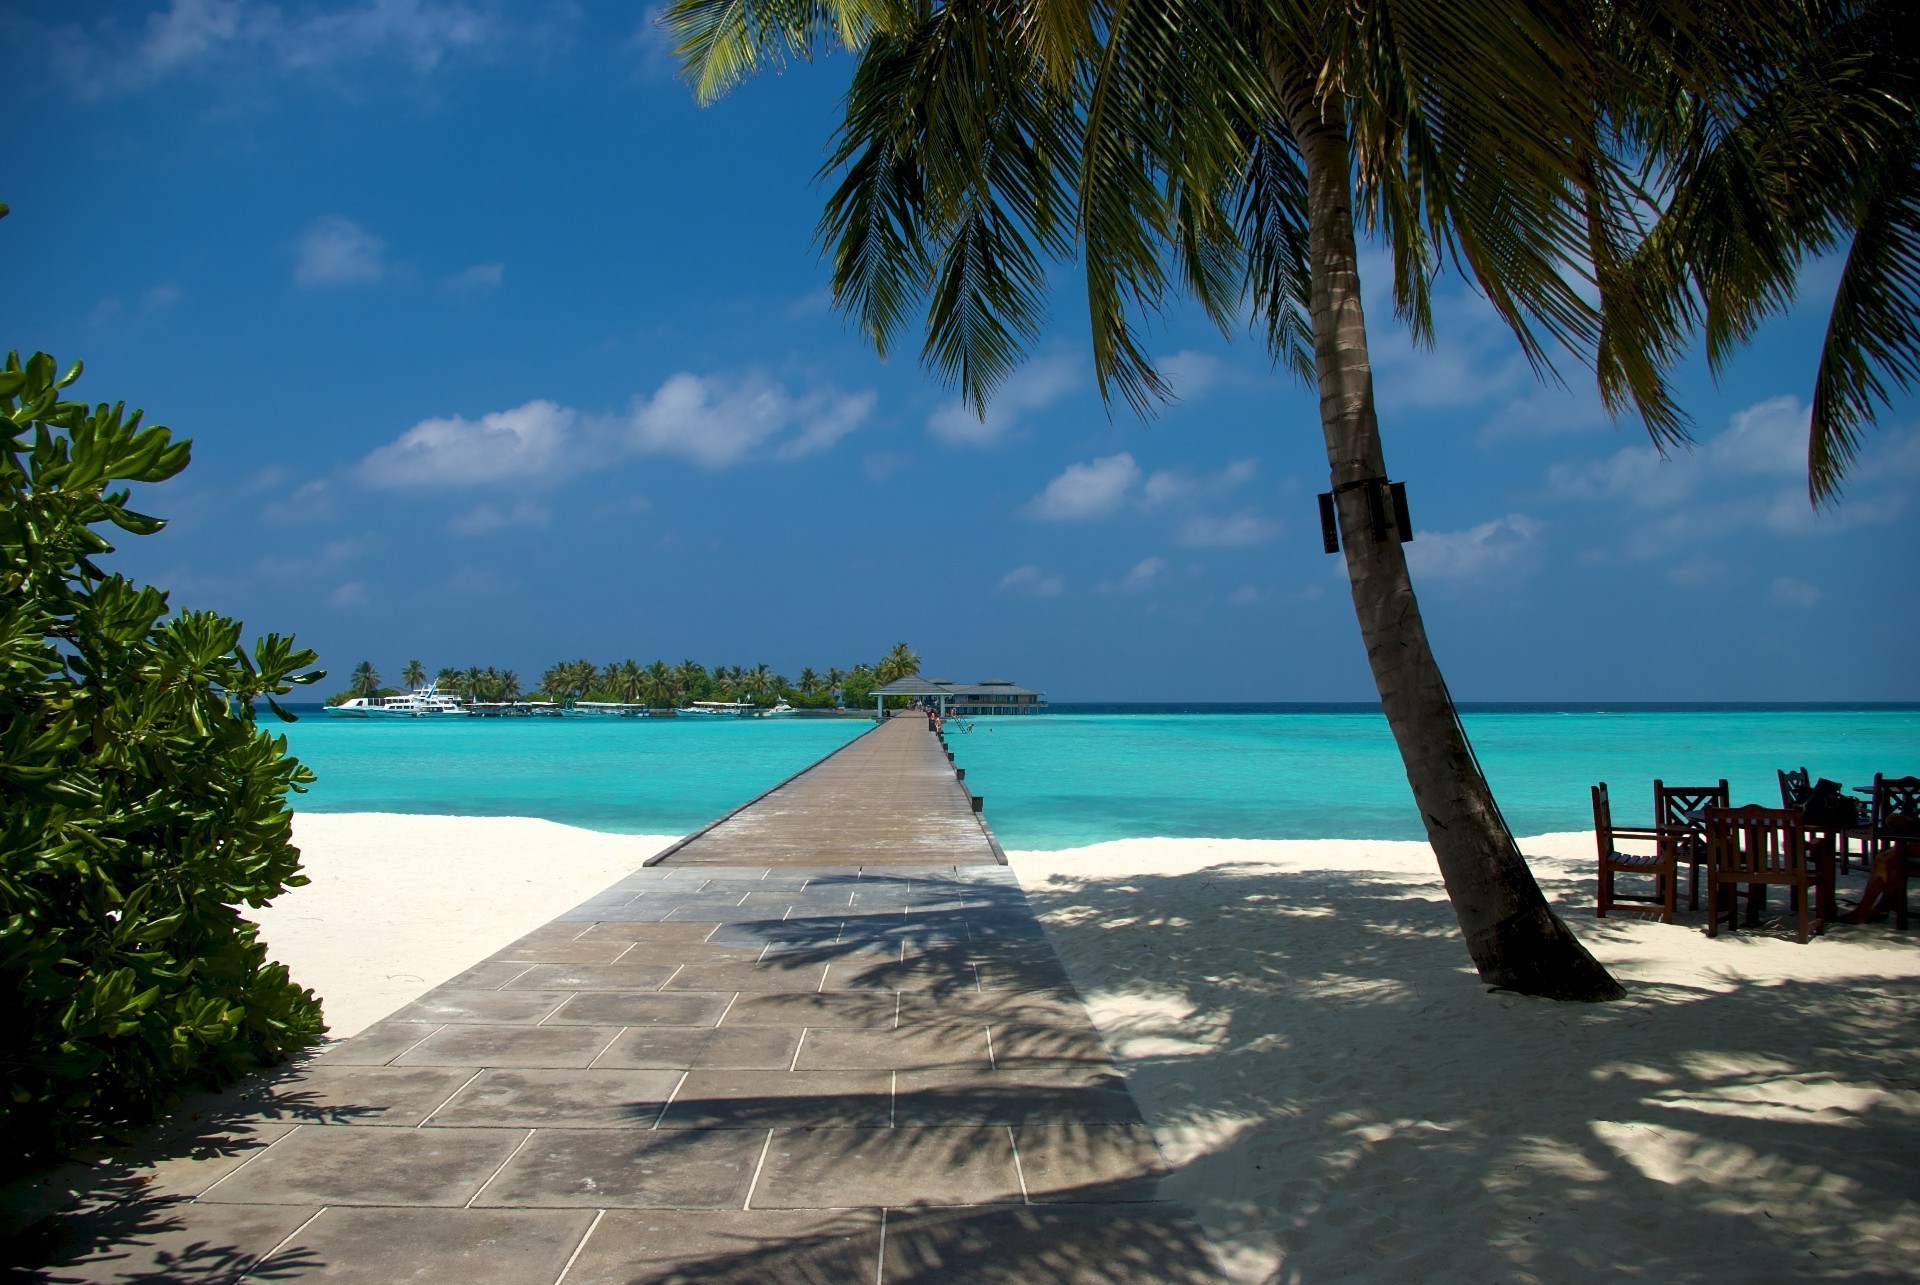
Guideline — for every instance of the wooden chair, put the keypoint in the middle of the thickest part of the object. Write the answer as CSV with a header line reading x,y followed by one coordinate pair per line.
x,y
1893,843
1794,786
1759,847
1677,810
1658,863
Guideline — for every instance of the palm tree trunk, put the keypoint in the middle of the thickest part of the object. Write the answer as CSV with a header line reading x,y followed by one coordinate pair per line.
x,y
1515,939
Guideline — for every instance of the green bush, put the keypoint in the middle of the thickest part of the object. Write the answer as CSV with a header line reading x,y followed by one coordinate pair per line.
x,y
140,806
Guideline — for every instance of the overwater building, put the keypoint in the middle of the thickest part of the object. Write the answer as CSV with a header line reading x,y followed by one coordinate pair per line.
x,y
965,700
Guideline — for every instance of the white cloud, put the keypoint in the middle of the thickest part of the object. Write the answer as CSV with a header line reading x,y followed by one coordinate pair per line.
x,y
1191,374
711,421
1204,531
484,518
1167,486
1788,592
339,252
1031,582
715,422
530,443
1245,596
1034,386
1634,475
234,40
476,282
1089,490
1144,575
309,502
1767,437
351,594
1465,555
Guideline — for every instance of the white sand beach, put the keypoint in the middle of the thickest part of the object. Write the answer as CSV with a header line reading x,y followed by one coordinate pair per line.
x,y
398,904
1337,1093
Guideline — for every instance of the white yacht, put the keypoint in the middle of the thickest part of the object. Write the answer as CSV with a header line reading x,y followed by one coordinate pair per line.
x,y
422,702
779,710
719,709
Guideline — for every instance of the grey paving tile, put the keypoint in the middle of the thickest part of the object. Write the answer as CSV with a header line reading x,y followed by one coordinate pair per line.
x,y
549,1046
1053,1245
598,950
745,1048
641,1008
961,1096
556,930
856,1168
830,1050
1016,1046
490,1008
835,953
622,1168
154,1240
362,1095
764,932
887,975
330,1165
691,952
188,1163
839,1010
734,1247
593,1099
777,975
1013,1008
484,976
433,1246
1088,1163
378,1044
764,1099
592,977
650,933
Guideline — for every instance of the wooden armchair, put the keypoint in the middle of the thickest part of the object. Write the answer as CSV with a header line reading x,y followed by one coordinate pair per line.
x,y
1893,843
1659,863
1760,847
1794,786
1677,811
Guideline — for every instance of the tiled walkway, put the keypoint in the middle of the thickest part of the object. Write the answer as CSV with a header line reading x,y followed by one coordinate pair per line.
x,y
766,1073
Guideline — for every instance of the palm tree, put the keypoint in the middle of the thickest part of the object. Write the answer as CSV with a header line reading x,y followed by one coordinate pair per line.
x,y
507,686
414,676
901,662
1221,150
760,682
365,680
690,680
809,682
657,686
473,684
835,678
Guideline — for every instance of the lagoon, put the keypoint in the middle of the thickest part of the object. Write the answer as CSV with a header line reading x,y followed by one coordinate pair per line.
x,y
1087,774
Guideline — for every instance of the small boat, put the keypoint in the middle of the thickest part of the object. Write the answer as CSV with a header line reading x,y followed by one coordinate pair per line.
x,y
719,709
780,710
422,702
611,709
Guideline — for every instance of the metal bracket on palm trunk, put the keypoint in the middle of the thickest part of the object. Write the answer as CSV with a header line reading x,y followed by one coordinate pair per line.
x,y
1380,493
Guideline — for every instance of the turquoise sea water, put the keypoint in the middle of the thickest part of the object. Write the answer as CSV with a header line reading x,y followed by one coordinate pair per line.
x,y
1069,778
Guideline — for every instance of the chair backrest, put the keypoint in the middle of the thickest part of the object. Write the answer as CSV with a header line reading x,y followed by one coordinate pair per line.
x,y
1896,805
1794,786
1672,803
1602,820
1755,842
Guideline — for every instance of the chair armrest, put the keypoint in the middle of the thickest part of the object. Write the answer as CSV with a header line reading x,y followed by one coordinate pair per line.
x,y
1644,832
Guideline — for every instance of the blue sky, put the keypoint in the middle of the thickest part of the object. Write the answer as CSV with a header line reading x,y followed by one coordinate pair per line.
x,y
496,349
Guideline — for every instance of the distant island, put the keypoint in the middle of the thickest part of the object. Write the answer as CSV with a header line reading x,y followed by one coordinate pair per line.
x,y
659,685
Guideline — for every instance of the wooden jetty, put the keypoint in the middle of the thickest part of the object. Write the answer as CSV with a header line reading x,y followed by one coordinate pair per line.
x,y
823,1040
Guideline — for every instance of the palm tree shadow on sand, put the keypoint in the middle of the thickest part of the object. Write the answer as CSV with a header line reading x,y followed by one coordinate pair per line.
x,y
1339,1095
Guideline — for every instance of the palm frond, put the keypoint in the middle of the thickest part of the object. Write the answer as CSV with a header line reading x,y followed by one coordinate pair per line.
x,y
1873,332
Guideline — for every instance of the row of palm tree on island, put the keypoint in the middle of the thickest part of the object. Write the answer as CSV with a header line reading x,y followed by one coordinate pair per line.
x,y
658,685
